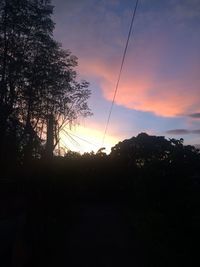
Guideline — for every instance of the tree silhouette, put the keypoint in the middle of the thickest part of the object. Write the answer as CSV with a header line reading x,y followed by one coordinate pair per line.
x,y
37,77
144,150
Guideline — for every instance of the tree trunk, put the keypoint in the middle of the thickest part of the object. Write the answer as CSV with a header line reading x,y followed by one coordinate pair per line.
x,y
50,136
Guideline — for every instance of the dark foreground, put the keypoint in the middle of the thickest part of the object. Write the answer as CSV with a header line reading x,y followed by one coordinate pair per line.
x,y
72,218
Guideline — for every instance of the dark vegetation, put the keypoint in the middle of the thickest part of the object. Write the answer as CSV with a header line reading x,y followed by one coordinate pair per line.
x,y
138,206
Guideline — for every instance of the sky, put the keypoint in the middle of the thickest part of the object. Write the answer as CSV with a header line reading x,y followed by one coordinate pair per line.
x,y
159,90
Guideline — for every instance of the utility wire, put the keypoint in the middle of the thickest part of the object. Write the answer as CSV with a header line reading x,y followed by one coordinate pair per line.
x,y
63,144
70,137
120,72
82,139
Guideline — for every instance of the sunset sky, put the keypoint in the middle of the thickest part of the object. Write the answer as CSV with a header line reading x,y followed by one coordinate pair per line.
x,y
159,90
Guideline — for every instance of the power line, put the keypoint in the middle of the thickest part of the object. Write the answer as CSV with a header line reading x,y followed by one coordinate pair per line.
x,y
64,145
69,136
120,72
82,139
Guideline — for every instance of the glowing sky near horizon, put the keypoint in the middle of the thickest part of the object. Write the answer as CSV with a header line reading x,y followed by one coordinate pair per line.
x,y
83,139
159,91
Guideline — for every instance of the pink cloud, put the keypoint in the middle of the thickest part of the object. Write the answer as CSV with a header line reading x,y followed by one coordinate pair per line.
x,y
143,86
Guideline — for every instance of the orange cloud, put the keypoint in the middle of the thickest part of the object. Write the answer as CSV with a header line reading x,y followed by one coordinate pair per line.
x,y
144,86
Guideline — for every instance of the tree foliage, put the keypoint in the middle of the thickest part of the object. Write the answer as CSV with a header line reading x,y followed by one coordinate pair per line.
x,y
143,150
37,77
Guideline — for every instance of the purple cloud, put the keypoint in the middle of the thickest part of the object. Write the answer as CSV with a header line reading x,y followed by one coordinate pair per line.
x,y
182,131
195,131
195,115
178,131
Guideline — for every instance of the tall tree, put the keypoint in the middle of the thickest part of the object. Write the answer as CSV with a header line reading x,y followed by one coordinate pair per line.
x,y
37,77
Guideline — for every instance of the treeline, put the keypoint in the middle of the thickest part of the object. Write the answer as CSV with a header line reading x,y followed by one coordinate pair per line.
x,y
147,163
138,205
